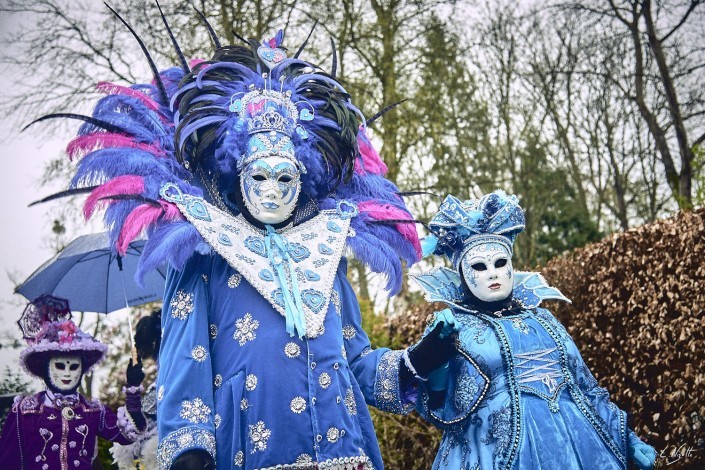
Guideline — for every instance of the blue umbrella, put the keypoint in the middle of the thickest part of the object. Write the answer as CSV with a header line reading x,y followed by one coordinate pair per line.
x,y
93,278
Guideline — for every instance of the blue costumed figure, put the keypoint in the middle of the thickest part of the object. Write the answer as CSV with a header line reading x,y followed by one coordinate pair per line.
x,y
518,395
252,175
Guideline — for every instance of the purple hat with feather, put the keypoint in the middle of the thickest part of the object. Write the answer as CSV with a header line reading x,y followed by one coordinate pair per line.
x,y
55,334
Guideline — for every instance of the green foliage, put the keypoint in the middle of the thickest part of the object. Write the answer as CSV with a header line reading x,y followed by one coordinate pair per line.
x,y
13,382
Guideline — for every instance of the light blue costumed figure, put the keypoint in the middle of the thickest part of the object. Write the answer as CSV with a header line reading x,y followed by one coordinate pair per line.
x,y
252,175
518,395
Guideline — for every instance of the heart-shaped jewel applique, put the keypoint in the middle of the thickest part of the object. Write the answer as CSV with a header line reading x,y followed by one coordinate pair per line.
x,y
313,299
197,209
312,276
271,56
256,245
306,115
223,239
171,193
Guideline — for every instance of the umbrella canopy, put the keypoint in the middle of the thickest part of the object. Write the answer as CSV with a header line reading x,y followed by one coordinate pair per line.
x,y
90,275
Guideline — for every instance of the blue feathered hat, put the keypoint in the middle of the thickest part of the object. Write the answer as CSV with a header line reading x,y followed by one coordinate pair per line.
x,y
460,225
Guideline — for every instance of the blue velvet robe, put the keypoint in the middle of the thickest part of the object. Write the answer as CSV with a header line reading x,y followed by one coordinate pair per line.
x,y
520,397
233,382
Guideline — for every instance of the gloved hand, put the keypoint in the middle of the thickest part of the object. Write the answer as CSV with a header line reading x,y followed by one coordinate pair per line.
x,y
643,455
134,373
196,459
437,347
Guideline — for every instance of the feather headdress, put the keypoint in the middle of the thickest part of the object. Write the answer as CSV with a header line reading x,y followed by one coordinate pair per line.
x,y
185,128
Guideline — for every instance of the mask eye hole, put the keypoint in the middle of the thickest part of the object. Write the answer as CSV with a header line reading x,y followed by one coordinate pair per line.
x,y
73,367
60,365
285,179
500,263
479,267
259,177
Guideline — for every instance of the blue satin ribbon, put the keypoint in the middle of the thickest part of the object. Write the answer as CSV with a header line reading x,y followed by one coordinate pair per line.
x,y
279,258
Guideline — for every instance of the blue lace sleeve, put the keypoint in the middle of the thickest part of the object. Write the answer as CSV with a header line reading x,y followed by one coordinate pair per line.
x,y
465,390
376,371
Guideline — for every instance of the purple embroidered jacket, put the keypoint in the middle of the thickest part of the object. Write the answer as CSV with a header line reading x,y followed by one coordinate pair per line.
x,y
41,433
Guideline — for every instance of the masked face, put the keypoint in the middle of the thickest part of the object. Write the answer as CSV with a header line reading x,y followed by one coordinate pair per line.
x,y
270,187
65,372
487,270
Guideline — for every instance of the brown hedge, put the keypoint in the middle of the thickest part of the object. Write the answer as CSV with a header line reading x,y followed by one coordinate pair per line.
x,y
638,300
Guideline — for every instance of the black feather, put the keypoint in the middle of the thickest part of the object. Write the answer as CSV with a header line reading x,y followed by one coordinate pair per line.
x,y
301,48
182,59
152,65
334,67
384,111
214,38
81,117
131,197
399,221
66,193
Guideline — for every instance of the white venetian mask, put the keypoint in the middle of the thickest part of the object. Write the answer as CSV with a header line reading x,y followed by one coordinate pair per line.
x,y
65,372
487,270
271,187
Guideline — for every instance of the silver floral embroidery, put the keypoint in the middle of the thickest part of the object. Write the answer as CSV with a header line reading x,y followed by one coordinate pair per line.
x,y
199,354
245,328
304,459
333,435
343,352
160,393
335,298
259,435
244,404
292,350
366,351
179,440
195,411
181,305
298,405
239,459
216,421
250,382
213,330
324,380
350,404
205,278
234,280
218,380
349,332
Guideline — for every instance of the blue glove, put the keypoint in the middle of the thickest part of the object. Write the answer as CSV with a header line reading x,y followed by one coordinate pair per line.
x,y
643,455
449,323
436,348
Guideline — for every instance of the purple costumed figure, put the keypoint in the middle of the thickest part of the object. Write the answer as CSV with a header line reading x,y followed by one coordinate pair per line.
x,y
58,427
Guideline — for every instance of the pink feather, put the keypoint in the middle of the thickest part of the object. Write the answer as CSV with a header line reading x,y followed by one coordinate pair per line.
x,y
370,161
112,89
141,217
194,62
84,144
388,212
126,184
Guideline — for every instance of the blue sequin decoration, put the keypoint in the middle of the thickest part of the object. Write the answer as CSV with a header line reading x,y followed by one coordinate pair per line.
x,y
256,245
313,299
278,297
324,249
223,239
298,252
333,227
266,275
311,276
